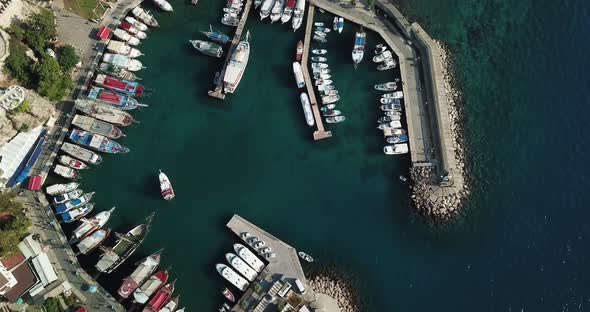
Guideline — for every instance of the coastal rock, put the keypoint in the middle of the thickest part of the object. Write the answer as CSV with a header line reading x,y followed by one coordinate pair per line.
x,y
39,111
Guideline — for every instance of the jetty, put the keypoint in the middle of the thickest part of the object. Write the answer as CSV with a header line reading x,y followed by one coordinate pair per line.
x,y
218,91
320,132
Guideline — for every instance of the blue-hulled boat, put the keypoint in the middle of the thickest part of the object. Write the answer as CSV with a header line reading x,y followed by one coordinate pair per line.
x,y
97,142
216,35
74,203
113,98
76,213
359,47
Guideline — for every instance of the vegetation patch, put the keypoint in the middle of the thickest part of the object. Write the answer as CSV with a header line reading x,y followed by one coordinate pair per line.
x,y
85,8
13,224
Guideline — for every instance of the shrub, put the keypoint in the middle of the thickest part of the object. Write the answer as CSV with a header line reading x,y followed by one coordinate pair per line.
x,y
52,82
68,58
18,64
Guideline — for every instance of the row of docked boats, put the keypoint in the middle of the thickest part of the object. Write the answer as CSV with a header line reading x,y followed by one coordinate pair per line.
x,y
283,10
214,47
384,58
231,12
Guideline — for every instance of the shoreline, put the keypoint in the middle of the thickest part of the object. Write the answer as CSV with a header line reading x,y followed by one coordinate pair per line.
x,y
335,284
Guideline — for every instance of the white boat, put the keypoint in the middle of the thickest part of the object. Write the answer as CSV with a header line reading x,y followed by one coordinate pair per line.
x,y
330,92
165,186
318,59
81,153
307,109
171,305
320,39
319,51
387,100
58,189
230,19
380,48
288,11
90,242
318,24
320,34
325,88
298,14
382,56
330,99
76,213
391,107
321,76
122,61
392,113
391,124
71,162
396,149
249,257
298,75
231,276
305,256
331,113
137,24
327,107
323,29
241,266
388,86
236,66
394,95
340,24
67,196
125,36
383,119
319,65
121,47
323,82
277,11
267,5
358,51
66,172
90,225
144,16
257,3
335,23
335,119
164,5
388,64
143,271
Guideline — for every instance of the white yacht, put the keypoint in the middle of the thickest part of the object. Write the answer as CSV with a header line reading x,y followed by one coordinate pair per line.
x,y
298,14
231,276
236,66
307,109
277,11
241,266
249,257
298,75
265,9
396,149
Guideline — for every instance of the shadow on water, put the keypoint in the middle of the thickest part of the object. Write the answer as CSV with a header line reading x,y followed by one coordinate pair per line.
x,y
150,187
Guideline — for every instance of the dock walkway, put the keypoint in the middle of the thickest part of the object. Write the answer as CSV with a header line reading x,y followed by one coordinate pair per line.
x,y
320,133
218,91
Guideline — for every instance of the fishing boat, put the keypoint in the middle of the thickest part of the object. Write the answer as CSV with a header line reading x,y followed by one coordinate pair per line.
x,y
125,246
123,48
298,14
267,6
111,98
143,271
382,56
66,197
106,113
125,36
145,16
277,11
241,266
232,277
66,172
249,257
236,66
298,75
160,298
396,149
76,213
319,51
132,30
331,113
318,59
228,295
391,107
305,256
165,186
319,39
88,226
330,99
358,51
389,101
74,203
171,305
335,119
137,24
299,52
96,142
71,162
325,108
59,189
127,87
340,24
216,36
380,48
389,63
307,109
150,286
401,138
388,86
90,242
96,126
390,124
230,19
116,71
394,95
288,11
208,48
164,5
122,61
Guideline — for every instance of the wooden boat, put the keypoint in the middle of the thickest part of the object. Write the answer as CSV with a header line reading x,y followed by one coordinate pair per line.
x,y
66,172
127,87
67,196
76,213
143,271
150,286
160,298
208,48
81,153
88,226
228,295
93,125
114,99
90,242
58,189
96,142
298,14
106,113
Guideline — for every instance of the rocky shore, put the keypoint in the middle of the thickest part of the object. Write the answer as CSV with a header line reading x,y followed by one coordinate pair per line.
x,y
435,202
338,287
38,112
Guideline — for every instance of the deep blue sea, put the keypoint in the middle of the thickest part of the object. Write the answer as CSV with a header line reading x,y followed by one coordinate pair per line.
x,y
524,242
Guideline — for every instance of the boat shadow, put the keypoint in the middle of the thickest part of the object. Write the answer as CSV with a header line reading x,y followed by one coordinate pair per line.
x,y
150,187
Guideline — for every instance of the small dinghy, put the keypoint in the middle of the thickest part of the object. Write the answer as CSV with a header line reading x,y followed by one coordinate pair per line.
x,y
391,108
319,39
319,51
392,124
305,256
335,23
389,101
323,29
392,113
228,295
318,59
320,34
383,119
319,65
318,24
321,76
389,63
71,162
382,56
380,48
335,119
330,99
388,86
402,138
323,82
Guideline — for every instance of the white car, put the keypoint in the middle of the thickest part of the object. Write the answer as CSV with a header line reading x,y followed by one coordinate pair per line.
x,y
259,244
270,255
265,250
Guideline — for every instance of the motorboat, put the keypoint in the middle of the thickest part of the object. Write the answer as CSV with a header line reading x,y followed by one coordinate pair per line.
x,y
257,3
318,59
71,162
359,47
208,48
59,189
391,124
125,36
335,119
392,113
132,30
307,109
74,203
382,56
335,23
320,39
288,11
232,277
143,271
330,99
394,95
297,71
122,61
150,286
340,24
96,126
67,196
389,101
319,51
66,172
320,34
249,257
228,295
105,96
330,92
164,5
171,305
126,87
137,24
321,76
305,256
323,82
88,226
277,11
160,299
391,107
389,63
103,112
396,149
267,6
230,19
383,119
324,88
236,65
76,213
318,24
299,52
323,29
239,265
388,86
90,242
331,112
96,142
298,14
81,153
319,65
145,16
380,48
123,48
216,35
116,71
165,186
402,138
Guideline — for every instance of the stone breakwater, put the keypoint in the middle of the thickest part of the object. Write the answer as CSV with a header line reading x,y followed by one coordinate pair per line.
x,y
338,287
430,199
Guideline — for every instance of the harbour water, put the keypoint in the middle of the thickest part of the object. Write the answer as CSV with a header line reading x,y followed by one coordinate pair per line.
x,y
522,245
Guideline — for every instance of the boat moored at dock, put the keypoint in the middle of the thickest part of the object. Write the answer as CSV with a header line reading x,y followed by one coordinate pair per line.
x,y
145,17
307,109
160,298
396,149
228,295
150,286
90,242
122,61
237,65
132,30
81,153
299,51
298,14
96,142
90,225
335,119
106,113
122,48
66,172
277,11
97,126
127,87
208,48
74,203
121,34
116,71
288,11
216,35
305,256
298,75
267,6
111,98
76,213
67,196
59,189
137,24
388,86
249,257
71,162
231,276
143,271
241,266
358,51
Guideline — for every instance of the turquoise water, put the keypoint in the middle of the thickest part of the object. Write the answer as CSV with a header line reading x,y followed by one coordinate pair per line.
x,y
522,243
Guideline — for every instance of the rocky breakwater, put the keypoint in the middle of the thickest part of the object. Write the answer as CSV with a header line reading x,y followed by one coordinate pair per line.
x,y
337,287
443,204
33,112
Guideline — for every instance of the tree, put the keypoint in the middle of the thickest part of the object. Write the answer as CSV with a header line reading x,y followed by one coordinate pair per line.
x,y
52,82
18,64
68,58
16,31
40,28
13,224
370,3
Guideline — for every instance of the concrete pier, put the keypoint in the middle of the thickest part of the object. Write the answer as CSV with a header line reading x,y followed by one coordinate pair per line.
x,y
320,133
218,91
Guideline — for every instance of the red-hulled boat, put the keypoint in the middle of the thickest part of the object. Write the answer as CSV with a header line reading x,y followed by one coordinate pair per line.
x,y
160,298
228,295
299,53
143,293
126,87
139,275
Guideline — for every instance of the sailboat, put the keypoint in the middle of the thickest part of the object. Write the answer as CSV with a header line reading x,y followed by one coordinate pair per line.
x,y
359,47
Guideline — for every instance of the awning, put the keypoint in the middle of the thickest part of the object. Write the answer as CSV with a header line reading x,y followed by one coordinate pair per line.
x,y
35,183
103,32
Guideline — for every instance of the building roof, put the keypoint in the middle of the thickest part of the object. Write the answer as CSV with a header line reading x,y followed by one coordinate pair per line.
x,y
15,152
29,247
23,274
44,269
35,183
103,32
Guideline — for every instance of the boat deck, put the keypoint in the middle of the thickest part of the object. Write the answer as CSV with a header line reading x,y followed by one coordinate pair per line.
x,y
218,91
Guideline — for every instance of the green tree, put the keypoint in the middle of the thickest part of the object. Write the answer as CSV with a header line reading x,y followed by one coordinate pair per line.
x,y
16,31
68,58
370,3
52,82
13,224
18,64
40,28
